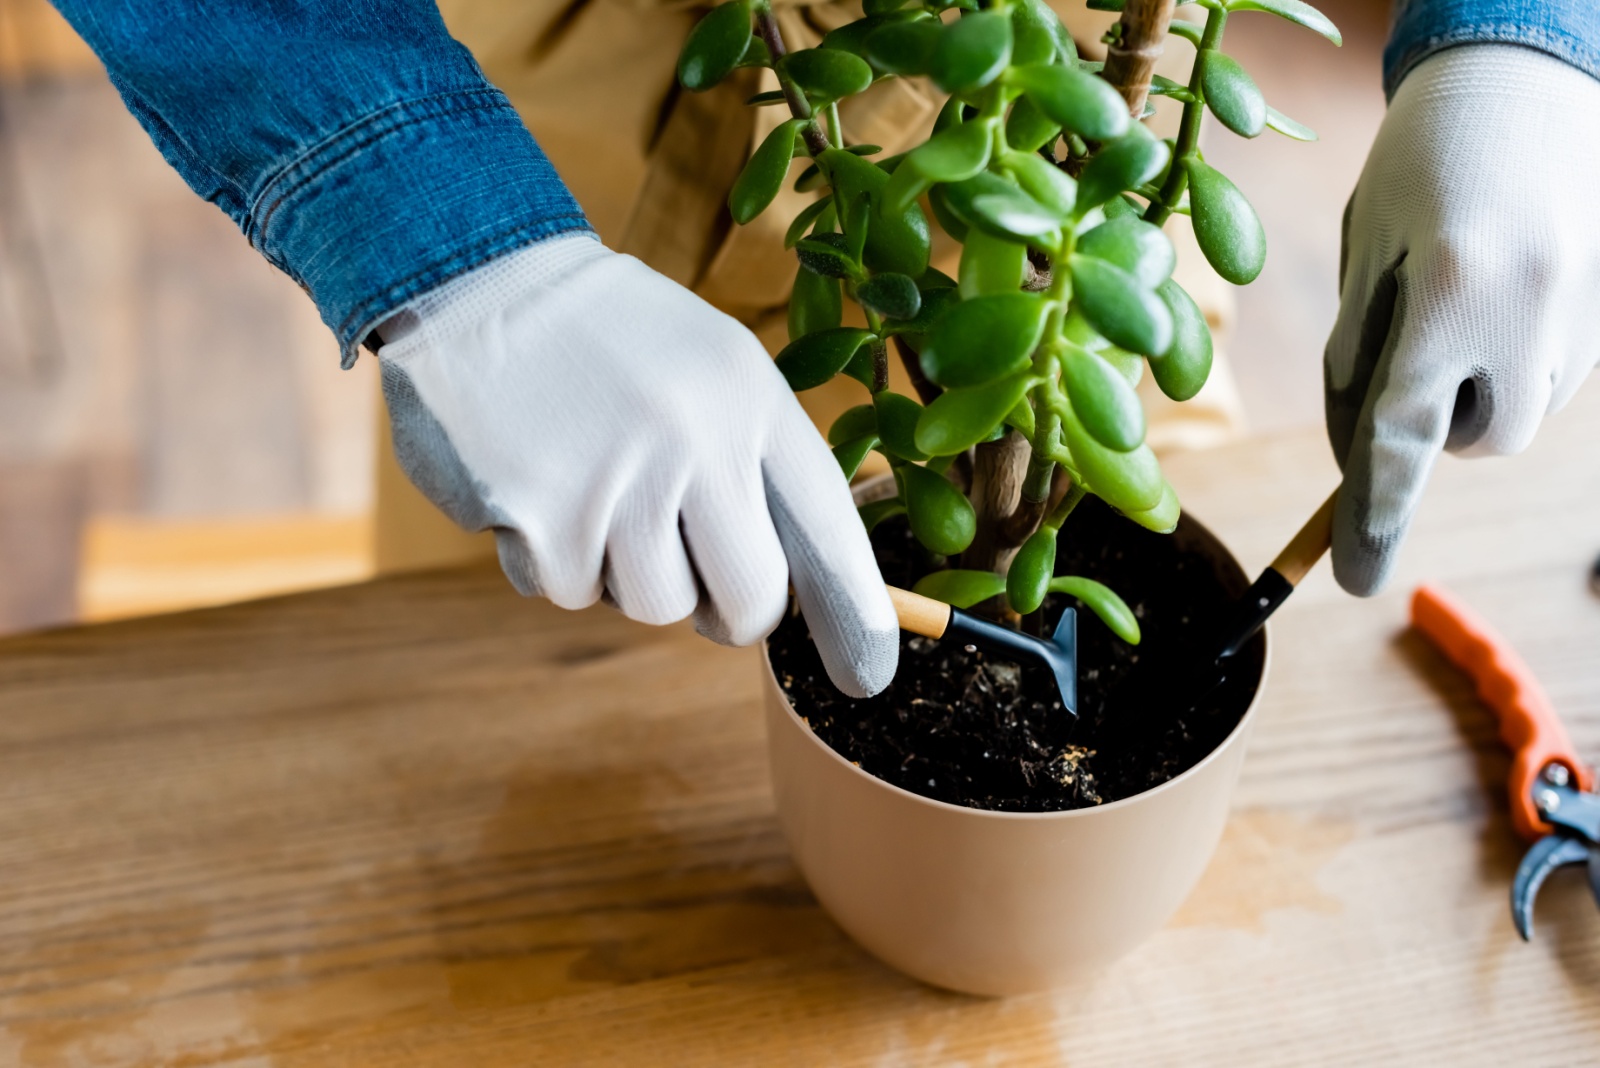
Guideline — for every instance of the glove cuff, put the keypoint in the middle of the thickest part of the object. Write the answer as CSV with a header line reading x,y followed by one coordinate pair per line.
x,y
469,299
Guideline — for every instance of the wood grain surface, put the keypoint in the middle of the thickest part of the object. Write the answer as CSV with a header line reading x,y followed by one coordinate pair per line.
x,y
424,822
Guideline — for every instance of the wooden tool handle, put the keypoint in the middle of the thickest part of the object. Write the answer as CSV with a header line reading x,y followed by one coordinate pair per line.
x,y
919,614
1308,545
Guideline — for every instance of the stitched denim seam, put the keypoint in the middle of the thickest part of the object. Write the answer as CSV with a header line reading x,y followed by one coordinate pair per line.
x,y
367,312
1578,54
339,147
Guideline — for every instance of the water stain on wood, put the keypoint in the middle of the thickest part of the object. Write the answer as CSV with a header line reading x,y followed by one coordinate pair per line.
x,y
1268,861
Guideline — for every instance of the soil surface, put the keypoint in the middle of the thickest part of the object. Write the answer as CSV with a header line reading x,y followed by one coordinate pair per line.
x,y
971,729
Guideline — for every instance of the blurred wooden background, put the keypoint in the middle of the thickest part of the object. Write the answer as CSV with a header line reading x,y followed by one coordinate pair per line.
x,y
174,428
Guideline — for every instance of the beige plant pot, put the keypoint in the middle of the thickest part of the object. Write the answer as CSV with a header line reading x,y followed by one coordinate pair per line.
x,y
996,902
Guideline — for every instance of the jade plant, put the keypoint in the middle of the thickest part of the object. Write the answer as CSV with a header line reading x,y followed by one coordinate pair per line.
x,y
1025,364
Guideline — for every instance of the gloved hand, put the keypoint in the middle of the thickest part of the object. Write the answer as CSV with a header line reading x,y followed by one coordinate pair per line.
x,y
621,436
1471,267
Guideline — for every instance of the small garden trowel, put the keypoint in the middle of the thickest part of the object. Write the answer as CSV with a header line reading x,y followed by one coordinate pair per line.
x,y
937,620
1202,675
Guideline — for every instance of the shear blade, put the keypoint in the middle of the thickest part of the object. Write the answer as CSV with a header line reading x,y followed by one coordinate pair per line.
x,y
1548,853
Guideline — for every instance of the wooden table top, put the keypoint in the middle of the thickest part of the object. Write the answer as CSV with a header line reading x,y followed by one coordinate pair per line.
x,y
424,822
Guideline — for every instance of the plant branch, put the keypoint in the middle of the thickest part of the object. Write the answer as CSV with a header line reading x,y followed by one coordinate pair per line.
x,y
1188,144
816,140
926,390
1131,58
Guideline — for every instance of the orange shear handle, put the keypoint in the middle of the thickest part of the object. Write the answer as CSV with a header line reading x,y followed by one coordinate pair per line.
x,y
1528,722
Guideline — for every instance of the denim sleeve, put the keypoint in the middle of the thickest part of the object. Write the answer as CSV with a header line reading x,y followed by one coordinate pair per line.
x,y
1566,29
356,144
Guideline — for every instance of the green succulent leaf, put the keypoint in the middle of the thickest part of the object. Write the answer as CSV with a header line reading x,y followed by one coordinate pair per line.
x,y
960,418
810,178
755,53
1112,610
1127,481
761,100
1044,182
1126,163
863,365
952,156
1295,11
809,361
1160,85
1029,129
827,74
893,296
956,154
827,254
904,47
857,217
852,423
882,7
1277,120
1184,368
876,512
1083,103
852,453
941,516
1231,93
934,304
963,589
1134,245
764,175
897,241
977,341
802,222
1163,518
949,221
1225,225
1122,207
1103,400
1028,577
1125,363
1038,36
715,46
1121,308
852,36
991,265
815,303
991,203
897,425
1189,31
1013,213
972,52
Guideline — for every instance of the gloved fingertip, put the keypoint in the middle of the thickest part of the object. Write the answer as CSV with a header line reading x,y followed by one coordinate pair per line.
x,y
1362,561
866,668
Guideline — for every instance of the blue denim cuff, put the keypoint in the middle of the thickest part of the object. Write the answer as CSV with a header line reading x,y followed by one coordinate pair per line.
x,y
1566,29
406,199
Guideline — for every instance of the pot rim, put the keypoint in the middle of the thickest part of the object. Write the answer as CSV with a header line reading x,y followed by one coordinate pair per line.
x,y
1172,783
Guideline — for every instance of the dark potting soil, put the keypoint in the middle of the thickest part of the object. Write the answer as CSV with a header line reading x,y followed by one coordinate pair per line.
x,y
972,729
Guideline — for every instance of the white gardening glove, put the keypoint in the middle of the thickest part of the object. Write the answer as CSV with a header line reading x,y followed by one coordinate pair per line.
x,y
1470,275
621,436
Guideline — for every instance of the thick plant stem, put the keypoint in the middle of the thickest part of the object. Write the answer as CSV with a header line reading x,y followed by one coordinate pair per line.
x,y
999,469
1131,58
816,140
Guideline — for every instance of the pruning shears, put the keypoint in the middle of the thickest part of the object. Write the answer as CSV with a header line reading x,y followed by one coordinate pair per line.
x,y
1553,803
